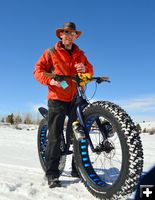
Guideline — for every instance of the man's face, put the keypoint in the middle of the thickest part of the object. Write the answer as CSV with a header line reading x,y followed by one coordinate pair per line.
x,y
68,37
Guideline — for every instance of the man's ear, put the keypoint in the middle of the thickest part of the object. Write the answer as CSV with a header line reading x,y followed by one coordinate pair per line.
x,y
61,35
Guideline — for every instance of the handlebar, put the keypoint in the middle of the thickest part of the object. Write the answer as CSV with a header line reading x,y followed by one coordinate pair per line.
x,y
101,79
79,78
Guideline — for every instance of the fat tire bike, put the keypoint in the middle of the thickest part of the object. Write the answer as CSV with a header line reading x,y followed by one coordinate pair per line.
x,y
107,145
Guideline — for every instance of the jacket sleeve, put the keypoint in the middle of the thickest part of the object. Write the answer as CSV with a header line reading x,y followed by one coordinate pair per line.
x,y
43,65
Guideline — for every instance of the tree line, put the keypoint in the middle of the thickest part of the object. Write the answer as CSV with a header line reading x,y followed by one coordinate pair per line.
x,y
15,119
18,119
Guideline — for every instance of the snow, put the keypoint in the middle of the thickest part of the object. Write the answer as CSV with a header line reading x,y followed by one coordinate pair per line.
x,y
21,176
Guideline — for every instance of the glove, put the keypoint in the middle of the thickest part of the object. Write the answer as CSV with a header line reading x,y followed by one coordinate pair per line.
x,y
85,78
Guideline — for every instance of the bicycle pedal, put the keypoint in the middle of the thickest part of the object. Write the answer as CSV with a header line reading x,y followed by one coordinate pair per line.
x,y
69,152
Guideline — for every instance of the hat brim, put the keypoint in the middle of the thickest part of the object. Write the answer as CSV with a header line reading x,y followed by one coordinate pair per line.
x,y
59,30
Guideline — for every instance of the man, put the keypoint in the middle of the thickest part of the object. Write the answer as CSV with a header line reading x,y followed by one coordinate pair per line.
x,y
64,59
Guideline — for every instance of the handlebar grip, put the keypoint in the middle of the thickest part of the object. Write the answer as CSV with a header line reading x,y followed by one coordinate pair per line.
x,y
101,79
54,76
58,78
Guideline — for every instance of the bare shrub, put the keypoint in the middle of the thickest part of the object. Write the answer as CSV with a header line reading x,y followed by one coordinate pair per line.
x,y
151,131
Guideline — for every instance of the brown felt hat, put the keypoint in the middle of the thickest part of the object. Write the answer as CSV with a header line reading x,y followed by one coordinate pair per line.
x,y
68,26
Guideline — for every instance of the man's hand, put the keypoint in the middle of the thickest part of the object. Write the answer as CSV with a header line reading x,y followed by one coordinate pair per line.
x,y
55,83
80,67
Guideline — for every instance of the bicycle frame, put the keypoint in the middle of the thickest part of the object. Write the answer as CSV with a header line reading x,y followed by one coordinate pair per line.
x,y
81,102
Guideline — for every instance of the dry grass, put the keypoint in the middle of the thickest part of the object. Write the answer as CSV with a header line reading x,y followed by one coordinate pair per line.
x,y
151,131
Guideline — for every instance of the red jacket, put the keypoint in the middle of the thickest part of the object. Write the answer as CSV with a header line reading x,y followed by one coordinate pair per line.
x,y
63,64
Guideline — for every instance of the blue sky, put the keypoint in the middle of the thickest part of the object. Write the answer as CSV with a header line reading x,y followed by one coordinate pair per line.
x,y
118,37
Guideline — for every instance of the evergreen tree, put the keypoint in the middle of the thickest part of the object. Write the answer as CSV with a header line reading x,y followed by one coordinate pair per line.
x,y
10,119
138,127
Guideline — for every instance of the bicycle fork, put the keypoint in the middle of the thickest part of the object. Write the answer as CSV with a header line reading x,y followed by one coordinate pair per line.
x,y
81,131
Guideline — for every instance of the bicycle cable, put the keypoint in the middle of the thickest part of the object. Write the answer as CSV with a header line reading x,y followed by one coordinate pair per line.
x,y
93,93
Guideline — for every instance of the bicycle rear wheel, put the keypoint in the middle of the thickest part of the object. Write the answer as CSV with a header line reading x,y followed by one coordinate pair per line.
x,y
114,168
42,143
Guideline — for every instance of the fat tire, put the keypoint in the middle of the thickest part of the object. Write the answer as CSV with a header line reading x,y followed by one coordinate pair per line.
x,y
42,142
132,159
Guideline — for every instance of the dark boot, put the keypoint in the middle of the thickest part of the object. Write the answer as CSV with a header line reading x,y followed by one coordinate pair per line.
x,y
53,182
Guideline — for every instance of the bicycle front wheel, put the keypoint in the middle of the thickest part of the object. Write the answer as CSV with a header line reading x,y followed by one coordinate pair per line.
x,y
113,168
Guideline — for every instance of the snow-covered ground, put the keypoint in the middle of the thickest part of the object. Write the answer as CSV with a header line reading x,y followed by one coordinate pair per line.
x,y
21,176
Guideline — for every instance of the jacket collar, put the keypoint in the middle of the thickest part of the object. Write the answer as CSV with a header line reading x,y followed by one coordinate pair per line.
x,y
76,51
59,46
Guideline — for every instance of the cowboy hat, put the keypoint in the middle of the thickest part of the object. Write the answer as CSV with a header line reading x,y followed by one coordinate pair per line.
x,y
68,26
